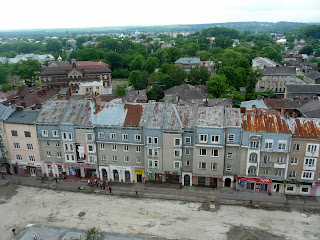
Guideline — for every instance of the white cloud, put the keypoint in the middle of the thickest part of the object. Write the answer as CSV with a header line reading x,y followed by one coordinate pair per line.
x,y
21,14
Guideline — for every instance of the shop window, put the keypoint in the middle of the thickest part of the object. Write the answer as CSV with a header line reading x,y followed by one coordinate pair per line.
x,y
305,189
201,180
290,188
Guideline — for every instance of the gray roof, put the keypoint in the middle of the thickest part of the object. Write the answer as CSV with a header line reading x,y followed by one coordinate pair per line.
x,y
5,112
303,88
23,117
188,60
314,75
311,109
258,103
135,95
280,70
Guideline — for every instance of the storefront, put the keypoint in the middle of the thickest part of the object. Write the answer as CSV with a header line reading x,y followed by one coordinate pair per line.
x,y
120,174
154,176
81,170
254,184
172,177
204,180
138,175
32,169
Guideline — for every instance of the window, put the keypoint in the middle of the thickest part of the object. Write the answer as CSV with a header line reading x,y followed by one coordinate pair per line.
x,y
113,136
253,157
155,152
213,166
280,160
152,140
252,170
48,154
29,146
89,137
138,149
124,137
69,157
57,144
296,147
266,159
228,168
231,137
278,173
310,162
203,152
44,133
32,159
149,140
215,139
58,154
312,147
307,175
67,136
177,153
103,157
18,157
92,159
282,145
153,163
187,140
55,133
150,152
177,141
203,138
176,164
101,135
229,155
126,159
68,147
290,188
254,144
187,163
265,171
305,189
138,160
47,143
137,138
14,133
126,148
115,158
294,161
292,174
202,165
155,141
187,151
269,144
114,147
27,134
214,153
91,148
102,147
16,145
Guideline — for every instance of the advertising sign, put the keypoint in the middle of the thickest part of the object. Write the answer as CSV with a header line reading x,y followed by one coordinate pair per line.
x,y
138,171
81,153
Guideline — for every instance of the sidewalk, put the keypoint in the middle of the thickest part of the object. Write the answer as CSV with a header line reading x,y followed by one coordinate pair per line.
x,y
167,191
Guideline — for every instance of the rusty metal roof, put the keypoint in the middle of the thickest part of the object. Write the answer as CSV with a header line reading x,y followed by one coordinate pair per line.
x,y
85,117
233,117
178,117
210,117
52,111
306,128
264,123
155,116
133,116
73,111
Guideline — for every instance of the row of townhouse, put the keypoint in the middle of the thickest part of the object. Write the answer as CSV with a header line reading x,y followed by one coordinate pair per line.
x,y
251,150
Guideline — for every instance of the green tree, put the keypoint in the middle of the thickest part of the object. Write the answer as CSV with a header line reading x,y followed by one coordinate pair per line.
x,y
53,46
26,70
204,55
121,90
115,60
172,54
191,49
252,80
155,92
235,77
199,75
307,50
176,75
87,54
6,87
223,42
217,86
138,79
93,234
150,64
236,96
137,62
4,72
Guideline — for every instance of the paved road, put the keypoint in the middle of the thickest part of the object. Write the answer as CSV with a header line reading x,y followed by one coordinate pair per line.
x,y
54,233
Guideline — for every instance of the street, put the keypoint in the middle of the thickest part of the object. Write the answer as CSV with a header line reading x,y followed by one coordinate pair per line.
x,y
147,217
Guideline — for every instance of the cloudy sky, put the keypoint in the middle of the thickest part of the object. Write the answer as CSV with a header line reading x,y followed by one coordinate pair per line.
x,y
35,14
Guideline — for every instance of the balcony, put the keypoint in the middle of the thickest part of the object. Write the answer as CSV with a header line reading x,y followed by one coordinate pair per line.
x,y
279,165
312,154
268,165
253,164
309,167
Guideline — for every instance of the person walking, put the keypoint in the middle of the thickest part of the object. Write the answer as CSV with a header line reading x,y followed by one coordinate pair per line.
x,y
107,183
14,231
89,182
56,180
96,182
42,180
110,189
2,176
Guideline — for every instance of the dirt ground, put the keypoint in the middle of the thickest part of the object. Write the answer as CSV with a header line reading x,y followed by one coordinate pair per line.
x,y
150,217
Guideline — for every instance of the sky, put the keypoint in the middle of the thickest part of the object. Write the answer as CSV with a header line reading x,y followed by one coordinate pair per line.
x,y
41,14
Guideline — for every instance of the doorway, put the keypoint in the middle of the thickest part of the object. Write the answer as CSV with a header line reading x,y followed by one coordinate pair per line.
x,y
127,176
250,185
139,178
104,174
115,176
33,172
277,187
186,180
213,182
227,182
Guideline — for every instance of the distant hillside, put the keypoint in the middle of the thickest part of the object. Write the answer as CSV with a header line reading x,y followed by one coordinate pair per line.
x,y
258,27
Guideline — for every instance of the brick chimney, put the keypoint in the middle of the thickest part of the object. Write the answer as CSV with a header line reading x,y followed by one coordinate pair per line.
x,y
282,112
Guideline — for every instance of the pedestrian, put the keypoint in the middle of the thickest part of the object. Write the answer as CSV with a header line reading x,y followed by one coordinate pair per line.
x,y
95,182
104,186
107,182
14,231
35,237
56,180
89,182
2,176
110,189
42,180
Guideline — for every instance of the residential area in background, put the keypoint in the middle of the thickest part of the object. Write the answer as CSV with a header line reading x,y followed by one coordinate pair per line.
x,y
215,108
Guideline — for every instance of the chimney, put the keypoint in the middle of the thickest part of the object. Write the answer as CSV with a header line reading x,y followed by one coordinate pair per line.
x,y
243,110
206,103
282,112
